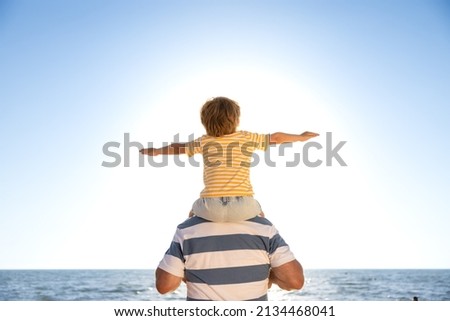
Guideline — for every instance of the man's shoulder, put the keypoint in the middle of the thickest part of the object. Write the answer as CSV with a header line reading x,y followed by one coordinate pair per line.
x,y
190,222
193,221
260,220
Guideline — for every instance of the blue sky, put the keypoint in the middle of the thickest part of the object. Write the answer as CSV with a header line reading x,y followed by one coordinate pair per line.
x,y
76,75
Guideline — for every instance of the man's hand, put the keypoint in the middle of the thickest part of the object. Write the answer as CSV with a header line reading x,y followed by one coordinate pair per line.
x,y
271,277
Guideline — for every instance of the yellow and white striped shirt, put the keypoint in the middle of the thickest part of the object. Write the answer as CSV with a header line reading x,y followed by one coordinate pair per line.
x,y
226,162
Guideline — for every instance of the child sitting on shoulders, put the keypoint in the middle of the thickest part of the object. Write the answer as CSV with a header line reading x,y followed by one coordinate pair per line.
x,y
227,153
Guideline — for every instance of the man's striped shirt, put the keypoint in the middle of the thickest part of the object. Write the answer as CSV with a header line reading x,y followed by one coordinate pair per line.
x,y
226,261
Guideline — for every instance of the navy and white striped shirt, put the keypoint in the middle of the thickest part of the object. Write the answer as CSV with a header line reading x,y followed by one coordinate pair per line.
x,y
226,261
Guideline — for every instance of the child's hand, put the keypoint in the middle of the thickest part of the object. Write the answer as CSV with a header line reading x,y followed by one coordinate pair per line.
x,y
149,151
308,135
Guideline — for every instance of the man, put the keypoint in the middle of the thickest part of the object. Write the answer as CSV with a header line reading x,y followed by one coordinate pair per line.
x,y
232,261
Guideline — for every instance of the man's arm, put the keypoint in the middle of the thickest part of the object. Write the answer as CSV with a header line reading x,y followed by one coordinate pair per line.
x,y
166,282
288,276
280,138
172,149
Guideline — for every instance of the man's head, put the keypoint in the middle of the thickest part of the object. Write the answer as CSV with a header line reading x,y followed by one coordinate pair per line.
x,y
220,116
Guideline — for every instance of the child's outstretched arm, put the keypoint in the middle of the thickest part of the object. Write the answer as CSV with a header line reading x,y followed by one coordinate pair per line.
x,y
280,138
172,149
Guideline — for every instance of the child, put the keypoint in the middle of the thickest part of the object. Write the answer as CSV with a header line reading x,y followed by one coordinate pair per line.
x,y
227,154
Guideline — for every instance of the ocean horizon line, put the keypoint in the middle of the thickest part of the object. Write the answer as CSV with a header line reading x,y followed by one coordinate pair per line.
x,y
152,269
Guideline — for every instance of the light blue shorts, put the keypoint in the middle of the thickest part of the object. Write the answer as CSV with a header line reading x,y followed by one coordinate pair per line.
x,y
226,209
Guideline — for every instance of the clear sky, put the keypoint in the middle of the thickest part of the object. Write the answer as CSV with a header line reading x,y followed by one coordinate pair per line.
x,y
76,75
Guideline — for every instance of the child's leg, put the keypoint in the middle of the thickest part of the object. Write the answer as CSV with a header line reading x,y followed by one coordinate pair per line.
x,y
226,209
261,214
211,209
242,208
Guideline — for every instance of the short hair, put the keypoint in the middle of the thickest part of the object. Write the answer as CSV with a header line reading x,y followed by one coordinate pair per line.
x,y
220,116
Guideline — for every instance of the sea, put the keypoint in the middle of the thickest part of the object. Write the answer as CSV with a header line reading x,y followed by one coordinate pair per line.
x,y
138,285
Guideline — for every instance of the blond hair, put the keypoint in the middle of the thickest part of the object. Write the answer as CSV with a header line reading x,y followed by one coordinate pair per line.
x,y
220,116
